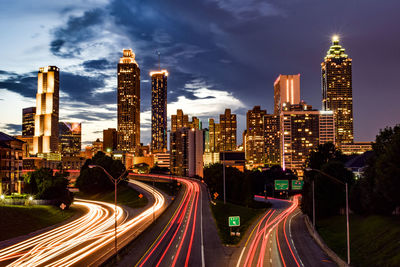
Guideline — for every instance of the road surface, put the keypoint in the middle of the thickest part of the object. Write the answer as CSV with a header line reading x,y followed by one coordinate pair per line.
x,y
88,240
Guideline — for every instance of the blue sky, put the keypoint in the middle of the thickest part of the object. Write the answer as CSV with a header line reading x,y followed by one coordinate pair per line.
x,y
219,53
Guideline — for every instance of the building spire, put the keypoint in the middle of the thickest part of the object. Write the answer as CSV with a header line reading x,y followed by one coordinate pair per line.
x,y
336,50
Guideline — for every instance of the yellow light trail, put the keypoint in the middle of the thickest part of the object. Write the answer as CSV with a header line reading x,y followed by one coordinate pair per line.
x,y
71,243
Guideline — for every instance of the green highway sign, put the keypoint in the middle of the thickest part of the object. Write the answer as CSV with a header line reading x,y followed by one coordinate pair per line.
x,y
281,184
234,221
297,184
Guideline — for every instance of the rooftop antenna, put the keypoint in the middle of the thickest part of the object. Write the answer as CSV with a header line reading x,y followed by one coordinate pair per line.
x,y
159,60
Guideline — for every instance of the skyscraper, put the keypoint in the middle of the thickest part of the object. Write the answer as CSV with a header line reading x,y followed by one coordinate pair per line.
x,y
286,90
159,111
179,120
337,92
228,127
128,103
253,139
47,105
28,121
70,139
302,130
272,144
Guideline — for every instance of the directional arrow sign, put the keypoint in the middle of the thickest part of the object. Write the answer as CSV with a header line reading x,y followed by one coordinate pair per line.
x,y
297,184
234,221
281,184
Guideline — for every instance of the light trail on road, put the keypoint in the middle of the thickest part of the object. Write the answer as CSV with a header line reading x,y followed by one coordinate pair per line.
x,y
174,246
73,242
258,244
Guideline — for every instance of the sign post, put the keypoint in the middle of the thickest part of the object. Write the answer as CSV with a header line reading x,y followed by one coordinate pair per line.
x,y
297,184
234,221
281,184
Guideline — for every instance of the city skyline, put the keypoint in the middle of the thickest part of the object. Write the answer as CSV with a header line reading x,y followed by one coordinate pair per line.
x,y
194,85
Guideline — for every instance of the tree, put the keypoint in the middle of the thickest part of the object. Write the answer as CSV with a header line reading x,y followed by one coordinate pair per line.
x,y
159,170
329,195
95,180
377,190
43,184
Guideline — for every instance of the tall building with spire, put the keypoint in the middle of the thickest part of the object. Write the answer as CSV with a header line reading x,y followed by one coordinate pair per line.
x,y
159,111
128,103
337,92
45,139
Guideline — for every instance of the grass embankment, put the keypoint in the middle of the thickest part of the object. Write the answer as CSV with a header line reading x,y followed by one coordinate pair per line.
x,y
221,213
21,220
374,240
125,196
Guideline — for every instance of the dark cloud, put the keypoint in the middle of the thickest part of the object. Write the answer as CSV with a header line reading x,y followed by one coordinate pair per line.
x,y
12,129
23,84
76,30
98,64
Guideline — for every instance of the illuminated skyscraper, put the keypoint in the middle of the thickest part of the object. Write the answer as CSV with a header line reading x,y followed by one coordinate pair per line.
x,y
70,139
179,120
286,91
159,111
228,127
253,139
28,121
337,92
128,103
302,130
272,144
47,105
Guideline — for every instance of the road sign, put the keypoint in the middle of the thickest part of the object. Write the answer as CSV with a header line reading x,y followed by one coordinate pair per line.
x,y
216,195
63,206
140,196
297,184
281,184
234,221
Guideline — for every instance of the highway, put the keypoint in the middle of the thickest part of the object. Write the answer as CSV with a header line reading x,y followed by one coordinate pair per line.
x,y
280,239
190,237
88,240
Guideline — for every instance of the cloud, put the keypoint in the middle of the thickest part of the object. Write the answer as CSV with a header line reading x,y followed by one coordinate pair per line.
x,y
252,9
11,128
77,29
23,84
97,64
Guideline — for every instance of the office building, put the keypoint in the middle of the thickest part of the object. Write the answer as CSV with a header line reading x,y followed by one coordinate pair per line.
x,y
97,146
186,149
253,139
228,129
180,120
162,160
128,103
302,129
272,144
110,140
70,138
356,148
28,121
45,139
159,111
286,91
11,163
337,92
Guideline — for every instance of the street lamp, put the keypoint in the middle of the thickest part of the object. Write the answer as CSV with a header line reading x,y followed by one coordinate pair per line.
x,y
347,206
115,181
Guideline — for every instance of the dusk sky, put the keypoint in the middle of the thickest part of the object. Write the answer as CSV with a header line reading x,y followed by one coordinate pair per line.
x,y
219,54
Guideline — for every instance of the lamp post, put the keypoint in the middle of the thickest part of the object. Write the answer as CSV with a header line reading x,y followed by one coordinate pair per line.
x,y
115,181
347,206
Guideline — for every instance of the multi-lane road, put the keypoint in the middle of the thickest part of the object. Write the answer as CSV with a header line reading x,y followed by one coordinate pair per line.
x,y
280,238
88,240
187,236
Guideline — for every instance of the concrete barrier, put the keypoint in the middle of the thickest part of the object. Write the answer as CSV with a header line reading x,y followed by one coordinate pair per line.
x,y
322,244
